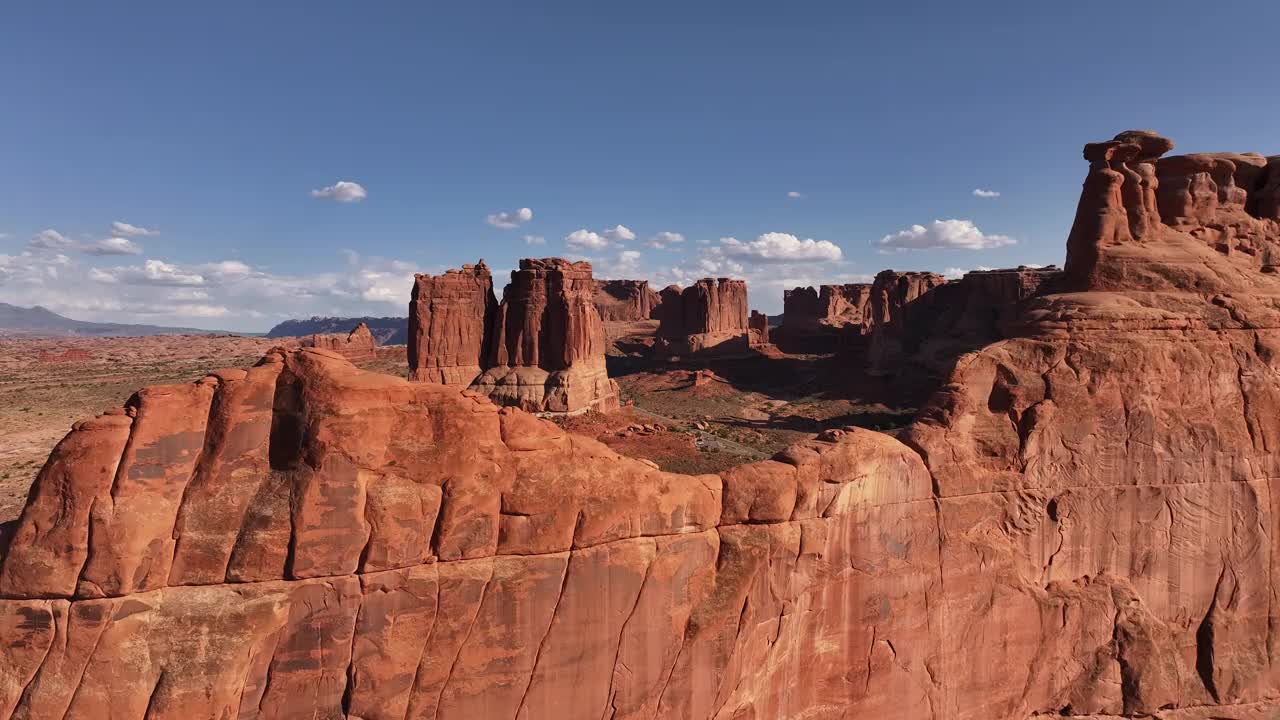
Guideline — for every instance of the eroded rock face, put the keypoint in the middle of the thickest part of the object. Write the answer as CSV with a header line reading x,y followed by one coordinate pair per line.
x,y
547,353
954,318
357,345
1080,524
708,316
625,300
758,328
451,319
824,318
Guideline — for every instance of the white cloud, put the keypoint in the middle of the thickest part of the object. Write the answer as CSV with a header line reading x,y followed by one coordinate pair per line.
x,y
619,233
585,240
112,246
986,193
49,240
795,195
124,229
151,272
343,191
534,240
665,239
508,220
778,247
231,294
944,234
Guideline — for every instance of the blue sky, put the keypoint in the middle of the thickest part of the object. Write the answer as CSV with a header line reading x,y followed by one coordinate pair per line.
x,y
211,124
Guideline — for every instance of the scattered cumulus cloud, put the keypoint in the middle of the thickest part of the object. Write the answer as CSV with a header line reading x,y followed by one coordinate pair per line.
x,y
534,240
343,191
795,195
943,234
150,272
665,239
986,193
778,247
49,240
508,220
619,233
585,240
113,246
124,229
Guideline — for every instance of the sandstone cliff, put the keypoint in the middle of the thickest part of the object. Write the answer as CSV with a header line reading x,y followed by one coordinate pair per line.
x,y
547,351
1081,523
451,317
626,300
709,316
541,348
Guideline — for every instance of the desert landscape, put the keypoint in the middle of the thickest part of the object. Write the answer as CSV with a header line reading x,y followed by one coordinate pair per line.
x,y
1019,493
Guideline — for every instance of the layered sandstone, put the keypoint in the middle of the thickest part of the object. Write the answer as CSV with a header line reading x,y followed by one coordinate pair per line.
x,y
824,318
758,328
625,300
451,317
709,316
954,318
547,351
357,345
1081,523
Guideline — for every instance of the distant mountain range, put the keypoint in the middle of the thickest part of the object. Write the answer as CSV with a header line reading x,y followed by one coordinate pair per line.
x,y
39,321
386,330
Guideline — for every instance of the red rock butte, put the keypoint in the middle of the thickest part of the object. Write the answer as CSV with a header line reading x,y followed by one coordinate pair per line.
x,y
708,317
1081,522
540,349
626,300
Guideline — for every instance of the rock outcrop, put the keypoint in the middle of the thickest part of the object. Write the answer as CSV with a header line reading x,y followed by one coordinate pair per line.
x,y
451,325
758,328
385,330
954,318
826,318
548,349
626,300
708,317
1081,523
541,348
356,346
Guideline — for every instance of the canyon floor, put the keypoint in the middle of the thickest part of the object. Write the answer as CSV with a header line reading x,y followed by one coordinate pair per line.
x,y
689,417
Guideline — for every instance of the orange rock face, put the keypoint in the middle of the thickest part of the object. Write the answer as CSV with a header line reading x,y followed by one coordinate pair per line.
x,y
541,349
824,318
547,353
625,300
758,328
357,345
708,316
1079,524
450,318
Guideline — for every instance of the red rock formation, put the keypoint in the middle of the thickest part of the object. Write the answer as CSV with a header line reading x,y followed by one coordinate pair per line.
x,y
954,318
357,345
826,318
758,328
450,318
708,316
547,353
1081,524
625,300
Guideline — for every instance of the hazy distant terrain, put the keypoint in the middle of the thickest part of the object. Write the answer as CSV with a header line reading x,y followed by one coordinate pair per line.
x,y
386,330
39,321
